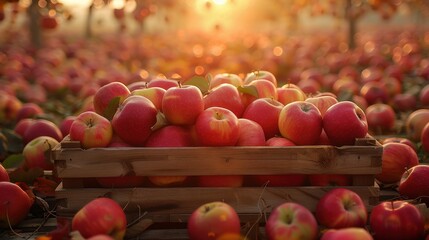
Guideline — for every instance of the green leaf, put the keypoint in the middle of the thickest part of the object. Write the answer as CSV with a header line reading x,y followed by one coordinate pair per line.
x,y
13,161
199,82
161,121
248,89
111,108
15,143
27,176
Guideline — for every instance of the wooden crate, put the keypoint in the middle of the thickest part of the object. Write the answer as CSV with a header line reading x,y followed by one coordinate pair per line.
x,y
76,165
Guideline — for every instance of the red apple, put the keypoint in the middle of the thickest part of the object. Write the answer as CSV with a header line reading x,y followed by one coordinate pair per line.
x,y
260,74
167,181
134,120
23,125
250,133
4,176
402,140
396,220
279,142
415,123
220,181
28,110
345,85
121,181
108,97
15,204
424,138
392,85
35,152
352,233
42,127
290,93
322,102
396,159
287,180
101,237
212,220
291,221
48,22
217,126
344,122
227,96
65,125
374,92
269,120
137,85
381,118
163,83
91,130
100,216
9,107
154,94
300,122
330,180
229,78
309,86
404,102
413,183
341,208
264,88
182,105
424,95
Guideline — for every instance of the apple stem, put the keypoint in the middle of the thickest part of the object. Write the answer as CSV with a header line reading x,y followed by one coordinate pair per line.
x,y
10,226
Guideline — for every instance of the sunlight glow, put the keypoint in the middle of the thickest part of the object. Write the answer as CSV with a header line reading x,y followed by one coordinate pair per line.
x,y
220,2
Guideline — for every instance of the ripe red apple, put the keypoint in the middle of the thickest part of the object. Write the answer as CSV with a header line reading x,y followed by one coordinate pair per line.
x,y
381,118
65,125
424,138
28,110
341,208
404,102
162,83
212,220
217,126
250,133
121,181
229,78
344,122
309,86
48,22
227,96
330,180
182,105
220,181
260,74
154,94
396,220
23,125
9,107
42,127
374,92
424,96
322,102
300,122
345,85
108,97
291,221
415,123
402,140
269,120
353,233
134,120
91,130
396,159
167,181
15,204
413,183
264,88
290,93
35,152
100,237
279,141
4,176
100,216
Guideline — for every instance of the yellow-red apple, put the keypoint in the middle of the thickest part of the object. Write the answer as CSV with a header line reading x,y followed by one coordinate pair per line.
x,y
108,97
182,105
91,130
36,152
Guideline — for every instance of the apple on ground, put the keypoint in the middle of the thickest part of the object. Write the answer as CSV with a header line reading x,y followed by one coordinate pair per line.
x,y
396,159
154,94
309,86
65,125
4,176
269,119
15,204
424,96
250,133
300,122
341,208
396,220
291,221
229,78
402,140
91,130
227,96
42,127
108,97
415,123
134,120
330,180
424,138
36,152
352,233
217,126
182,105
23,125
9,107
212,220
413,183
345,85
344,122
28,110
381,118
279,142
404,102
100,216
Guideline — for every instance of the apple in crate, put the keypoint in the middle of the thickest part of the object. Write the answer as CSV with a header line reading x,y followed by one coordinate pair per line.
x,y
322,102
269,119
217,126
414,183
4,176
291,221
261,74
290,93
330,179
264,89
396,159
250,133
36,152
121,181
108,97
341,208
352,233
212,220
134,119
15,204
226,96
381,118
279,142
154,94
300,122
344,122
100,216
229,78
91,130
396,220
162,83
182,105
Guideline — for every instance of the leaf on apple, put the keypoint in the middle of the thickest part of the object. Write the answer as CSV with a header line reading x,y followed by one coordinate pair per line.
x,y
200,82
26,176
111,108
13,161
161,121
249,89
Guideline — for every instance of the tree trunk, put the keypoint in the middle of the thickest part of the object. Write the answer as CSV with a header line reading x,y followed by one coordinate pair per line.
x,y
34,24
351,20
88,29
